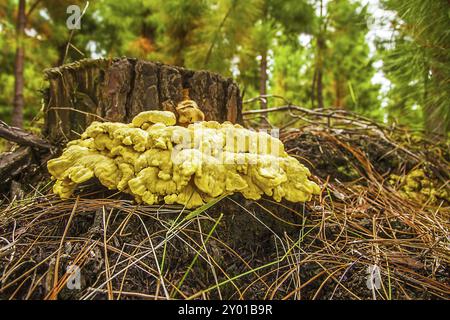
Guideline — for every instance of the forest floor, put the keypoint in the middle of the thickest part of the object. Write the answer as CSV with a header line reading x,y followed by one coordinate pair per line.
x,y
380,229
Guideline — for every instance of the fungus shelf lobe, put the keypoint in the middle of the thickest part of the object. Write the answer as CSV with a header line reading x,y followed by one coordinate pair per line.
x,y
157,161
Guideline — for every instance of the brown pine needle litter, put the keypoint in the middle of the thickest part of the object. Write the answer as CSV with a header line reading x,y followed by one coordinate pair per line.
x,y
366,236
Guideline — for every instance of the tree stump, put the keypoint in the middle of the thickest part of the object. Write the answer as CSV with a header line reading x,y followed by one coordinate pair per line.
x,y
118,89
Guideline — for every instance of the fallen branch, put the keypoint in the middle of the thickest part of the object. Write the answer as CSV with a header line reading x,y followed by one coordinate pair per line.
x,y
22,137
347,117
11,163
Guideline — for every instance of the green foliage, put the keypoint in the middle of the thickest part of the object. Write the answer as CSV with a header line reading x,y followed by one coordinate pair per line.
x,y
116,28
177,21
279,24
217,41
348,69
231,36
292,72
418,63
37,57
345,62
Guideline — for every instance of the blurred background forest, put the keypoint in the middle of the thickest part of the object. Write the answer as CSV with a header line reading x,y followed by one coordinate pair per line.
x,y
386,59
380,152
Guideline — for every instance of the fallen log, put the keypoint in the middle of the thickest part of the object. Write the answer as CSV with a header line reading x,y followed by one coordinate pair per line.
x,y
13,163
23,162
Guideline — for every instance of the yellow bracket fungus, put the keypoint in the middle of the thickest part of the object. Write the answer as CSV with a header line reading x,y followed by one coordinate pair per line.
x,y
416,185
157,161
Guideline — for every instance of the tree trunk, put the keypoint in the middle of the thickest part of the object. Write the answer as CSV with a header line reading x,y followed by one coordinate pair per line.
x,y
435,120
319,89
318,72
319,66
17,115
118,89
263,79
338,94
313,89
320,59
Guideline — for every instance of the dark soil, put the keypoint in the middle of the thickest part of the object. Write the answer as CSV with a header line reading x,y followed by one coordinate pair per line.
x,y
322,249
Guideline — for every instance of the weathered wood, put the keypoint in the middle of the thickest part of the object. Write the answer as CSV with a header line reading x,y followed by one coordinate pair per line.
x,y
12,164
118,89
17,191
22,137
23,162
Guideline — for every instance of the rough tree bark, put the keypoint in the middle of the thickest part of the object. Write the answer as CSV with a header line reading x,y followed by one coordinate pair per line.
x,y
118,89
113,90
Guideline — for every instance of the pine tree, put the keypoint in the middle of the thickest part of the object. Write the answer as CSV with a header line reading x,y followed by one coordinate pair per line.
x,y
343,65
279,21
418,61
224,29
18,105
177,21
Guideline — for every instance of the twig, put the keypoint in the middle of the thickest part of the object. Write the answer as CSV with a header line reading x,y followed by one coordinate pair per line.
x,y
22,137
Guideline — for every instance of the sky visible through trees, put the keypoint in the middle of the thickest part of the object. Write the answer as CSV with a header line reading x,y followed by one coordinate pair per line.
x,y
385,59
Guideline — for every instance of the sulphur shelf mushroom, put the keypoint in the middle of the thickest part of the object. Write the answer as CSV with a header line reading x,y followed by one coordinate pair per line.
x,y
157,161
